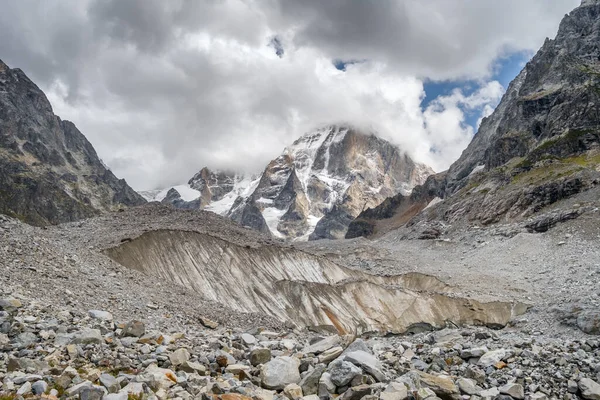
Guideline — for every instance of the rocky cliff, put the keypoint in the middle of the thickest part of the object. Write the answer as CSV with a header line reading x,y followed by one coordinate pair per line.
x,y
314,189
540,146
49,171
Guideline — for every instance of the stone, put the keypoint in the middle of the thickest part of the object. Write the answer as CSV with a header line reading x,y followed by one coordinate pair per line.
x,y
492,357
441,385
10,304
357,392
279,372
514,390
39,388
110,383
24,389
589,322
292,391
248,339
88,336
76,389
193,367
260,356
207,323
342,372
473,352
368,362
179,356
310,381
102,315
123,395
426,393
160,378
394,391
237,369
322,345
92,393
330,354
326,386
539,396
134,329
590,390
134,388
489,393
467,386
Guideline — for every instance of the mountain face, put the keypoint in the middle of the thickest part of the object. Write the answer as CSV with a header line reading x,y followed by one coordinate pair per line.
x,y
314,189
49,172
540,146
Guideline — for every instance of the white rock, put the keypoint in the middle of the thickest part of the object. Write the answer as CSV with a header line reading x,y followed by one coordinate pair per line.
x,y
492,357
590,390
279,372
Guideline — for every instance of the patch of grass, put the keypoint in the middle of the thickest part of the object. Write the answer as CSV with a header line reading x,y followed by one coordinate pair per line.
x,y
10,396
132,396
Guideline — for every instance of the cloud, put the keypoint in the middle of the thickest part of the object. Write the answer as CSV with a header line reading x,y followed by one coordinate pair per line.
x,y
162,88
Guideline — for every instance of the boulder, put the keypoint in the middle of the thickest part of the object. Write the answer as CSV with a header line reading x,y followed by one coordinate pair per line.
x,y
279,372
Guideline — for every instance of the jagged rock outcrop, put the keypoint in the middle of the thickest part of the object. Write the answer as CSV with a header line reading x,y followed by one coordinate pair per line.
x,y
49,171
314,189
541,144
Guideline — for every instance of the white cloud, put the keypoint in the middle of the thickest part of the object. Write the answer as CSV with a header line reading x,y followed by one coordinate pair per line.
x,y
164,88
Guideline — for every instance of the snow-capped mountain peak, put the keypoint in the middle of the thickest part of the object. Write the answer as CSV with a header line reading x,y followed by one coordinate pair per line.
x,y
313,189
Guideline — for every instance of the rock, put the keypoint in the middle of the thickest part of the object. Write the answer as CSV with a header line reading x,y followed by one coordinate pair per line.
x,y
326,386
342,372
133,388
310,382
260,356
590,390
92,393
110,383
248,339
467,386
473,352
39,388
492,357
160,378
192,367
292,391
24,389
539,396
368,362
394,391
426,393
442,386
357,392
123,395
10,304
489,393
237,369
322,345
589,322
102,315
179,357
279,372
514,390
134,329
76,389
209,323
88,336
330,354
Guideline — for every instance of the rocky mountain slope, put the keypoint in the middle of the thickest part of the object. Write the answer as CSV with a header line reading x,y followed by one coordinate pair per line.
x,y
49,172
313,190
539,146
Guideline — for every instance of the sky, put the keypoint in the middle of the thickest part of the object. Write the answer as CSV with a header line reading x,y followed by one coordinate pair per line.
x,y
163,88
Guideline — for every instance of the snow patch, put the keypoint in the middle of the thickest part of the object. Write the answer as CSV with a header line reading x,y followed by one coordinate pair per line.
x,y
433,202
272,217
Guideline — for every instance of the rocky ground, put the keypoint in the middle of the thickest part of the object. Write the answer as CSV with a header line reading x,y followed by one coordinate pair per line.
x,y
75,324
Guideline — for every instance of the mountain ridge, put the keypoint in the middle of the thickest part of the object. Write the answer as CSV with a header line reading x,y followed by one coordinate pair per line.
x,y
49,171
314,188
539,147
